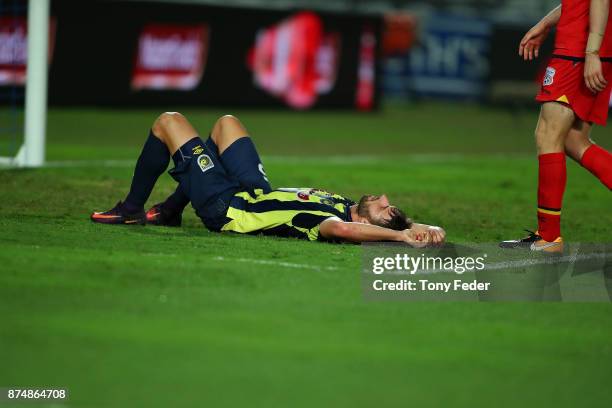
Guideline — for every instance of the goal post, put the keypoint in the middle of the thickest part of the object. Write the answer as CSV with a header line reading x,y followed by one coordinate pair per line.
x,y
32,151
36,84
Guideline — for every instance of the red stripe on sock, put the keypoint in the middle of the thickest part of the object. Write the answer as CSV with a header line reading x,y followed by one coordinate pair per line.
x,y
599,162
552,177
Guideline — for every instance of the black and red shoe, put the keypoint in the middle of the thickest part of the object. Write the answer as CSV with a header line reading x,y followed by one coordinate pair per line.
x,y
158,215
534,242
119,215
522,242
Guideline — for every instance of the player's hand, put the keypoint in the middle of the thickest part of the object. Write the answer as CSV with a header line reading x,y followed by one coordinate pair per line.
x,y
529,48
416,239
438,235
593,74
425,235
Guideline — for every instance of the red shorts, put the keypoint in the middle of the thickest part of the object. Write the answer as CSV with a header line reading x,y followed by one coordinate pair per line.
x,y
564,82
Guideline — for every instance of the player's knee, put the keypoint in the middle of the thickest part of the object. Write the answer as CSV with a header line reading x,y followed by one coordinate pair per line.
x,y
165,121
549,140
575,148
549,131
227,122
555,122
227,129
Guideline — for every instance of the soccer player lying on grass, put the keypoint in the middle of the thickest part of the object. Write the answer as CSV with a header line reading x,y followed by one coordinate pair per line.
x,y
574,95
225,182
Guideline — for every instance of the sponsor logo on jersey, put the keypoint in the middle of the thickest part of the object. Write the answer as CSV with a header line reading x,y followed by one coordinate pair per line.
x,y
303,196
550,76
321,193
205,162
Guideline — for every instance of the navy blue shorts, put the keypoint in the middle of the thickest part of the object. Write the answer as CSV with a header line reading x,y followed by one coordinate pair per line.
x,y
209,184
202,177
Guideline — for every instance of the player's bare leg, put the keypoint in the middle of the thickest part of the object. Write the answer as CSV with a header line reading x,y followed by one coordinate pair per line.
x,y
238,153
578,140
580,147
554,124
226,131
174,130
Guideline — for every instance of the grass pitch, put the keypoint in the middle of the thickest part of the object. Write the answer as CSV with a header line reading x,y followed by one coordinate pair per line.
x,y
159,317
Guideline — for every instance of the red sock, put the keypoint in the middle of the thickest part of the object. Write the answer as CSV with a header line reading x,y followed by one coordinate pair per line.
x,y
599,162
551,185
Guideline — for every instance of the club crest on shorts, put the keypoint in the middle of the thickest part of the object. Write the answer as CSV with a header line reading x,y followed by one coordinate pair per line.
x,y
205,162
550,76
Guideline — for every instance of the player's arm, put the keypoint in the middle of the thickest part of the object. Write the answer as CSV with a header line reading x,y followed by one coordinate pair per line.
x,y
529,48
598,19
334,228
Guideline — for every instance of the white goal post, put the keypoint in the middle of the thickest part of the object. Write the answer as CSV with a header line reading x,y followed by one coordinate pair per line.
x,y
32,152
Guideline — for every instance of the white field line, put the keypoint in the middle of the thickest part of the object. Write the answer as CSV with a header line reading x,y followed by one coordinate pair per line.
x,y
340,160
90,163
334,160
276,263
547,261
515,264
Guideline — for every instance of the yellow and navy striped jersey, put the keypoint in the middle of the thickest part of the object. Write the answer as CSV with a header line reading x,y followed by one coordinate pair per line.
x,y
285,212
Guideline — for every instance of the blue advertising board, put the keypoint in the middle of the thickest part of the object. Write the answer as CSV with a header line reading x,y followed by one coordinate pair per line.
x,y
451,60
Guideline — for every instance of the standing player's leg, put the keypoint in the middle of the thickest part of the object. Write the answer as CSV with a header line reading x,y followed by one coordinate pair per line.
x,y
168,132
554,124
238,154
580,147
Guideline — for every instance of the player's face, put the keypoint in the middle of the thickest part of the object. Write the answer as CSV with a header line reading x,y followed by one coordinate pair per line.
x,y
375,209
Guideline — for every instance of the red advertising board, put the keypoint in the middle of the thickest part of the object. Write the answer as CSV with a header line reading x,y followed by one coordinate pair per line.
x,y
170,57
296,60
14,49
366,75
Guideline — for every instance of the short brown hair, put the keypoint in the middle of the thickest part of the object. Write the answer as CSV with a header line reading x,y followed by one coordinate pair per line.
x,y
398,220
